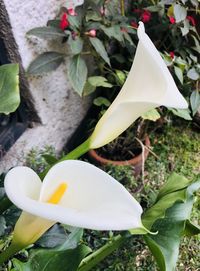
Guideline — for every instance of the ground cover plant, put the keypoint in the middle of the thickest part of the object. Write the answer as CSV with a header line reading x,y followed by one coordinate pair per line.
x,y
64,195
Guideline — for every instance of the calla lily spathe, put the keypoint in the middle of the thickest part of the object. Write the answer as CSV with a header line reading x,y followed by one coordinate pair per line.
x,y
74,193
149,85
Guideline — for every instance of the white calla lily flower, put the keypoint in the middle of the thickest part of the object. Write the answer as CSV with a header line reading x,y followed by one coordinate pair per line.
x,y
74,193
148,85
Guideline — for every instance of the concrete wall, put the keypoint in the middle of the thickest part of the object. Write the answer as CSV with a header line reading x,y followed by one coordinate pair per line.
x,y
59,108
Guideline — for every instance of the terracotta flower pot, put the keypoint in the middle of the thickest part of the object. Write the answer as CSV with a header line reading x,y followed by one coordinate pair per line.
x,y
136,162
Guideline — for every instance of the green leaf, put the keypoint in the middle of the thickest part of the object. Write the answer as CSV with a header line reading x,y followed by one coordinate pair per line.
x,y
193,74
120,77
77,73
9,88
51,260
45,62
180,13
191,229
99,47
51,160
65,257
92,16
165,245
174,183
76,45
182,113
195,101
54,237
179,73
113,32
88,89
74,21
172,191
47,32
152,114
101,101
99,81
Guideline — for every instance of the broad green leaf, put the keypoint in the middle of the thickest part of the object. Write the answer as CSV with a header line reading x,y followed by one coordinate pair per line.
x,y
99,81
182,113
101,101
47,32
113,32
152,114
165,245
66,257
77,73
193,74
76,45
180,13
9,88
195,101
174,183
99,47
74,21
173,190
179,73
54,237
45,62
52,260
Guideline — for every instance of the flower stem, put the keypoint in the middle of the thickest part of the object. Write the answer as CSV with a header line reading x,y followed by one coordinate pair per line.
x,y
93,259
9,252
122,7
77,152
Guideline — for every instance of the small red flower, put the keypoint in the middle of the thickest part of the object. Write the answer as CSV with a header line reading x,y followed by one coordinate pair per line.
x,y
172,20
64,23
172,54
92,33
146,16
191,20
71,12
134,24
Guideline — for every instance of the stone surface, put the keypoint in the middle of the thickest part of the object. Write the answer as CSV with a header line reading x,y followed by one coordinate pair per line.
x,y
59,108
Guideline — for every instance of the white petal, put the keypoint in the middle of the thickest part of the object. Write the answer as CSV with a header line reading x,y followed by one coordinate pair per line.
x,y
148,85
150,63
116,121
93,199
22,182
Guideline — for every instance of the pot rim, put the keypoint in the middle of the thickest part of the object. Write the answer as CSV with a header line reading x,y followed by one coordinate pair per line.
x,y
134,161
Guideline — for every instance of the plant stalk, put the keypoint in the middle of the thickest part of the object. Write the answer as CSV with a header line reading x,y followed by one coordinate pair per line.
x,y
9,252
122,7
77,152
93,259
